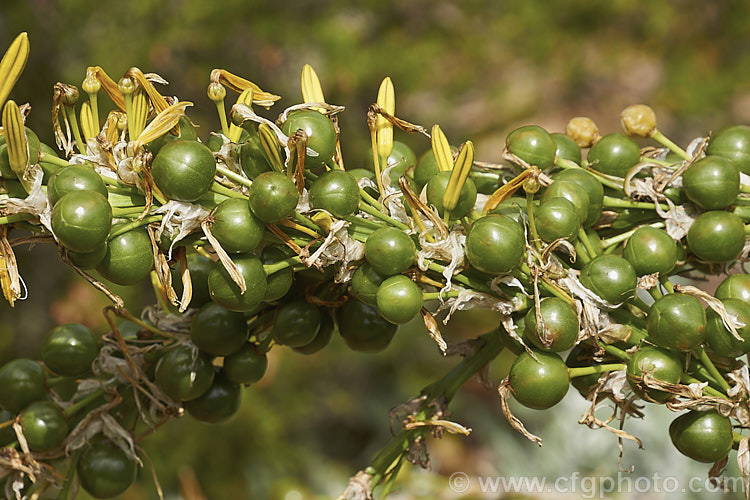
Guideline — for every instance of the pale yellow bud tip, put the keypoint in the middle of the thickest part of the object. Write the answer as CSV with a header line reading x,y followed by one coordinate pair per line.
x,y
583,131
638,120
216,92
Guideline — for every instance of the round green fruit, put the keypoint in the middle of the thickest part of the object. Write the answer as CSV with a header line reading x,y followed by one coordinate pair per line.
x,y
399,299
184,170
129,258
81,220
69,350
704,436
218,331
495,244
539,384
363,328
225,292
105,470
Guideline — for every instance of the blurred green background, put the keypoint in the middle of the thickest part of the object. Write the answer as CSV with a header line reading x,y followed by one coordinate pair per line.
x,y
478,68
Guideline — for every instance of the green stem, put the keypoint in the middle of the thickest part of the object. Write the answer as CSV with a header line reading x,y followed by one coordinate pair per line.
x,y
48,158
124,228
282,264
637,302
655,292
445,387
582,253
78,406
569,164
611,202
437,295
380,215
661,163
593,370
667,143
614,240
222,117
125,211
225,191
242,181
525,276
708,390
614,351
664,280
71,112
9,219
70,474
712,369
461,278
532,222
369,199
592,250
392,474
305,221
362,224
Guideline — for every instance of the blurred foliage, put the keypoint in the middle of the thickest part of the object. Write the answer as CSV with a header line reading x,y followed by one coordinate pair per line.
x,y
479,68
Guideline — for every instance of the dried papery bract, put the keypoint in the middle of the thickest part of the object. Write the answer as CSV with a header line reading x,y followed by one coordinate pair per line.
x,y
224,258
505,392
433,330
10,280
64,98
298,145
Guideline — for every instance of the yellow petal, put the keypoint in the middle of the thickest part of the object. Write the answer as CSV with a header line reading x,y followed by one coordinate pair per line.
x,y
87,122
113,130
441,149
239,84
157,100
383,127
15,137
109,85
458,177
505,191
246,98
140,113
162,123
12,65
311,89
271,146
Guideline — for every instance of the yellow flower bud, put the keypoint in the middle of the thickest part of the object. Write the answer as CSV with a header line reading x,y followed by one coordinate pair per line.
x,y
583,131
126,85
216,91
638,120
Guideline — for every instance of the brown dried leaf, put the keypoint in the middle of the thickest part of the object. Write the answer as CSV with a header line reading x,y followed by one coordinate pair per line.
x,y
433,330
224,258
743,460
359,488
504,391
